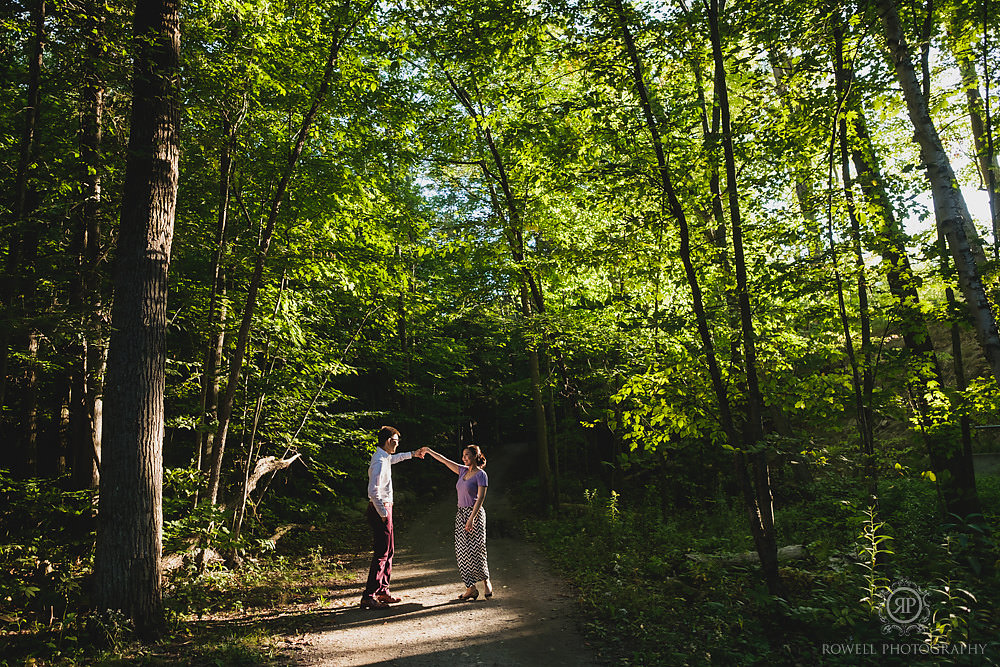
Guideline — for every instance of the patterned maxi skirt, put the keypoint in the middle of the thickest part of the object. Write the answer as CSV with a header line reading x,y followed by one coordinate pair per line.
x,y
470,548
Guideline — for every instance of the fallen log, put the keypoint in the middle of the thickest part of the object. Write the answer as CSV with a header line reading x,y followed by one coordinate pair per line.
x,y
267,465
194,553
791,552
284,530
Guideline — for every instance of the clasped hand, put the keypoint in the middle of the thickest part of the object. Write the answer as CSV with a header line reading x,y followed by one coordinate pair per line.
x,y
420,453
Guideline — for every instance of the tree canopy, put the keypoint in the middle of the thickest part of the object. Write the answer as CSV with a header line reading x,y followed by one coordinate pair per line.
x,y
651,239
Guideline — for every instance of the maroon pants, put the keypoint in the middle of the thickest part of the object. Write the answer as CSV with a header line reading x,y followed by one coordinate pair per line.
x,y
382,547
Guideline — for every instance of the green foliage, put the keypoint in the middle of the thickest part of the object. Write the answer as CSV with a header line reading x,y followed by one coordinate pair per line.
x,y
393,294
638,573
47,536
46,548
873,551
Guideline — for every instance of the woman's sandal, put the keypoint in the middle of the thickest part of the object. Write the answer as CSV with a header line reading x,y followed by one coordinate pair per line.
x,y
466,597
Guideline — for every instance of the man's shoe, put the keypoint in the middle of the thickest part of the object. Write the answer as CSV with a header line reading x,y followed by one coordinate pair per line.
x,y
386,598
372,603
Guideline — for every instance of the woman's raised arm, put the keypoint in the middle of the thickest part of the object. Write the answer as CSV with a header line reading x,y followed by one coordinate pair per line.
x,y
454,467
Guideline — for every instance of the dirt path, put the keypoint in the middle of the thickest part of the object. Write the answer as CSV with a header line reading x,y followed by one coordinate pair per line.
x,y
531,619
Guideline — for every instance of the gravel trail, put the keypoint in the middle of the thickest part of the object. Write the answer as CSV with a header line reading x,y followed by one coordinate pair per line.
x,y
531,619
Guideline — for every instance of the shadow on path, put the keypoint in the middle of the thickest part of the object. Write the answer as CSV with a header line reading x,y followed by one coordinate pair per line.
x,y
531,620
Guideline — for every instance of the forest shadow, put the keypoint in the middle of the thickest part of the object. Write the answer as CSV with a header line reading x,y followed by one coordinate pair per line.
x,y
319,620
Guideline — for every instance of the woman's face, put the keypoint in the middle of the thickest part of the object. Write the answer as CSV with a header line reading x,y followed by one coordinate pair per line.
x,y
467,457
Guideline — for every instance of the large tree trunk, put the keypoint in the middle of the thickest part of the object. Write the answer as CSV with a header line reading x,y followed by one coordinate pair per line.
x,y
946,452
950,210
923,368
130,522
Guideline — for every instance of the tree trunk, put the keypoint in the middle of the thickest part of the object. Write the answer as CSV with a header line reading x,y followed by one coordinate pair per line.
x,y
862,379
801,168
923,368
675,209
538,404
719,234
759,504
29,406
951,212
86,295
11,283
514,233
553,434
986,160
214,349
217,310
758,508
236,364
251,449
251,453
130,522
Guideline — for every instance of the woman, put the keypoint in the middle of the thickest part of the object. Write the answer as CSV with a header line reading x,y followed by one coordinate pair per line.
x,y
470,520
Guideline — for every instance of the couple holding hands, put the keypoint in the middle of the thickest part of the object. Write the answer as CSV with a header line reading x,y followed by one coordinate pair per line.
x,y
470,520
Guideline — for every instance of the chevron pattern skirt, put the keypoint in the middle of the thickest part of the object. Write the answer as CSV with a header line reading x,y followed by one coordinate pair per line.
x,y
470,548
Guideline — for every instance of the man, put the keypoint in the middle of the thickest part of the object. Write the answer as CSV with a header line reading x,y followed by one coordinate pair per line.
x,y
379,516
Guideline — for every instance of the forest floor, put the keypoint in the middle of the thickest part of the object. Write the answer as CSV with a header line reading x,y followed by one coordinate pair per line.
x,y
532,618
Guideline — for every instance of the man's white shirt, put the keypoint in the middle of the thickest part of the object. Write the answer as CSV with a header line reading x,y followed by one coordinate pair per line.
x,y
380,478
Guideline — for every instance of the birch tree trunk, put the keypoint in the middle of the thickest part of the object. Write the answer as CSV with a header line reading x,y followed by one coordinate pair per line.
x,y
950,210
986,159
923,367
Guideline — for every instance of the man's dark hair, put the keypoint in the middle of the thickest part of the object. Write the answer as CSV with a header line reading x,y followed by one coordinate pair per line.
x,y
385,433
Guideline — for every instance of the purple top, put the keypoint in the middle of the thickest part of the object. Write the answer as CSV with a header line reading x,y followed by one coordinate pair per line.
x,y
468,489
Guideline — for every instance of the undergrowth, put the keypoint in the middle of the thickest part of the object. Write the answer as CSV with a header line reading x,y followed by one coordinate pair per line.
x,y
210,613
672,588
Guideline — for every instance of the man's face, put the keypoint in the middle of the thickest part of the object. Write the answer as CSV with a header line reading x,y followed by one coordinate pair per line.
x,y
391,444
